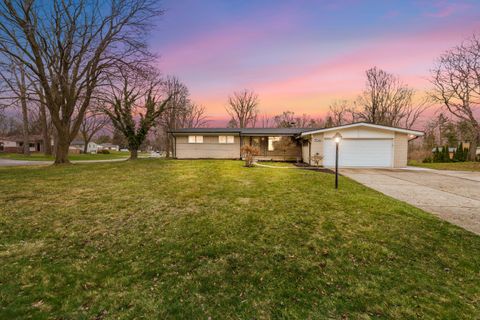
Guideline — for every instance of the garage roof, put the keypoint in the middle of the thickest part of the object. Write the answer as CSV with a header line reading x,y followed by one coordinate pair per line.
x,y
364,124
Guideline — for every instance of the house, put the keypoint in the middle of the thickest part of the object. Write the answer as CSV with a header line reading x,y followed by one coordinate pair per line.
x,y
451,151
14,144
110,146
362,144
92,147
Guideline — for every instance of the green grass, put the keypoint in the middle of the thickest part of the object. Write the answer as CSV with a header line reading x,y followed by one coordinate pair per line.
x,y
84,156
163,239
280,164
456,166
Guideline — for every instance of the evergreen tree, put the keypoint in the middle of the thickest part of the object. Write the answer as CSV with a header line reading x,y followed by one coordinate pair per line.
x,y
436,155
459,154
446,154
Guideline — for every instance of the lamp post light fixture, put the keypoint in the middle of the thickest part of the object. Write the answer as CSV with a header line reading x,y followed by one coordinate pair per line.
x,y
337,138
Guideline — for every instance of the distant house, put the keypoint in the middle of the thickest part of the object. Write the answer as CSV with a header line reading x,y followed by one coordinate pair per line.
x,y
451,151
14,144
92,147
110,146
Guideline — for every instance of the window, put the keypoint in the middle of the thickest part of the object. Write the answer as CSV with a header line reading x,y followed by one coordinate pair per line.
x,y
271,141
195,139
226,139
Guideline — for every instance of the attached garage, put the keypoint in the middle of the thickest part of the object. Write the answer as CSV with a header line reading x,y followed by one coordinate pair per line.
x,y
361,145
359,153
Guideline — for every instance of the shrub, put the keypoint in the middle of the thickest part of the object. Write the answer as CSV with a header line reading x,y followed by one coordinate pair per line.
x,y
427,160
103,151
248,153
316,158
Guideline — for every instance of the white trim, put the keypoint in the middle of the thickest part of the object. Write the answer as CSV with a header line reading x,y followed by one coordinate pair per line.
x,y
364,124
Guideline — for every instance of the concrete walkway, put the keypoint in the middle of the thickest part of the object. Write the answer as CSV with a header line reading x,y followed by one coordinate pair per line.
x,y
452,195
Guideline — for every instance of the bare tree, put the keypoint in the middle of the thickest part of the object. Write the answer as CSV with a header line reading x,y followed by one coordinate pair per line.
x,y
134,105
456,84
92,123
287,119
194,116
265,121
180,112
68,46
342,112
13,76
170,118
388,101
243,108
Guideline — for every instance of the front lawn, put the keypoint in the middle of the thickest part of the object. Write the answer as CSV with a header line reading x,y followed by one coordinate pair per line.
x,y
456,166
36,156
162,239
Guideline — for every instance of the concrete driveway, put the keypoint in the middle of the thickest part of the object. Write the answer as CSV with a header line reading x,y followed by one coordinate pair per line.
x,y
452,195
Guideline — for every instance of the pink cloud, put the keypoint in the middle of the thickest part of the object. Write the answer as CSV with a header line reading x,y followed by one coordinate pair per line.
x,y
312,87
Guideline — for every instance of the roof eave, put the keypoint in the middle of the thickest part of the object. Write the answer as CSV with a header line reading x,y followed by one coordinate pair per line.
x,y
365,124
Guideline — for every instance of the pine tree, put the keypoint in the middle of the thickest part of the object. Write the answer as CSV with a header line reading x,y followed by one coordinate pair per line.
x,y
446,154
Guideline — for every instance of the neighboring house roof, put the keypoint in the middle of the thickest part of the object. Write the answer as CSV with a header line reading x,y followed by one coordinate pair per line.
x,y
365,124
243,131
107,144
80,142
77,142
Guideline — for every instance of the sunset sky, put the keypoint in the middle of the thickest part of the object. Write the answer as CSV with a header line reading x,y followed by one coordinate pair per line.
x,y
302,55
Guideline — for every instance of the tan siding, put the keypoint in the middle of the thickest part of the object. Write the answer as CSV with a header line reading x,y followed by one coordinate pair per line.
x,y
210,148
305,152
400,150
317,145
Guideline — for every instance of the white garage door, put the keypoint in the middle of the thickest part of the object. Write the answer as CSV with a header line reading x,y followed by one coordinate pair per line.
x,y
359,153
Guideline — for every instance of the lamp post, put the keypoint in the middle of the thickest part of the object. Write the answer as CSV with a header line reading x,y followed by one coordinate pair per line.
x,y
337,138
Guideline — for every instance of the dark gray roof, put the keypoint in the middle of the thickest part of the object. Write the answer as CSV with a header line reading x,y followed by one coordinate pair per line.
x,y
245,131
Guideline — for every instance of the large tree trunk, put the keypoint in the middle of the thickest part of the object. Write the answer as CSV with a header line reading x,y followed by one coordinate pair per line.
x,y
133,153
85,143
472,154
23,102
61,152
26,139
47,143
168,145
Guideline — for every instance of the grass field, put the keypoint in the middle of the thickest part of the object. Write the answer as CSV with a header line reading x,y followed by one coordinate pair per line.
x,y
456,166
84,156
163,239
